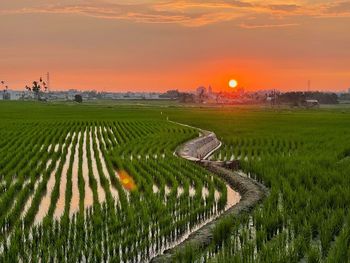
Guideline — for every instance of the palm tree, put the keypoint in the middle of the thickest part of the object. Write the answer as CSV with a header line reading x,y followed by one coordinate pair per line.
x,y
38,87
45,86
5,89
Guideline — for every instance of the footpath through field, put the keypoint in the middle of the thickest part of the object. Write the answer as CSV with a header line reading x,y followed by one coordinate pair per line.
x,y
251,192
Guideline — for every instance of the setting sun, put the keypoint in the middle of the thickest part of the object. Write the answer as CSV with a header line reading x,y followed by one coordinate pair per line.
x,y
233,83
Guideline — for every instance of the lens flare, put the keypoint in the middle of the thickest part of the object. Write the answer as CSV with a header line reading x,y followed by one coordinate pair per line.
x,y
126,180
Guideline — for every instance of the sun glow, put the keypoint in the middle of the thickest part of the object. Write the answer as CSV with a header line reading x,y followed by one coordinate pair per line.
x,y
233,83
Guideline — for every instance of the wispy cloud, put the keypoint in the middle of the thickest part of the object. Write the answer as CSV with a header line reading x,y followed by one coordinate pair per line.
x,y
338,8
284,7
251,26
184,13
194,13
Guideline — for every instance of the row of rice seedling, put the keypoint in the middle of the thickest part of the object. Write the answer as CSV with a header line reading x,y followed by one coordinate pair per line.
x,y
256,148
80,208
28,179
305,216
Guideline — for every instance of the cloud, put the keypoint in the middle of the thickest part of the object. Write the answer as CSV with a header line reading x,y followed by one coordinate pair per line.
x,y
191,13
338,8
251,26
187,13
284,8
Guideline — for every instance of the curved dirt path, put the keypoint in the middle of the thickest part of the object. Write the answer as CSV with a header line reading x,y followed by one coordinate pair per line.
x,y
252,192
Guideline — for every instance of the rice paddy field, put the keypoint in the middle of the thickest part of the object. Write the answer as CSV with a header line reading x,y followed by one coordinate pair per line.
x,y
303,157
100,183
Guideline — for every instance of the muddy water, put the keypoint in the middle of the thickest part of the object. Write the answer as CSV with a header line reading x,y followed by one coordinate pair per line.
x,y
155,189
61,200
106,131
101,192
30,199
88,200
233,197
56,147
185,236
99,129
114,191
192,191
48,163
41,148
217,195
167,190
180,191
74,206
113,137
46,200
205,193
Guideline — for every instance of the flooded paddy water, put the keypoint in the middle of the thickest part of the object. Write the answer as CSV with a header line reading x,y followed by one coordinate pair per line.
x,y
61,200
88,200
75,190
114,191
100,190
88,193
46,200
71,182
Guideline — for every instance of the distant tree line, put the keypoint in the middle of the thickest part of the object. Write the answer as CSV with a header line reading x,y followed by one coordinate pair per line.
x,y
78,98
292,98
183,97
170,94
297,98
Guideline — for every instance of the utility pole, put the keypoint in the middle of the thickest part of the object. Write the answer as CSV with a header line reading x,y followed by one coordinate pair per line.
x,y
48,80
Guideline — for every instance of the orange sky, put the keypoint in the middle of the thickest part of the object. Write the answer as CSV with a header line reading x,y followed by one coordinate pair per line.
x,y
121,45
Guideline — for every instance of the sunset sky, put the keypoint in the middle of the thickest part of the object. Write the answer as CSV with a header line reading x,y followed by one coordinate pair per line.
x,y
121,45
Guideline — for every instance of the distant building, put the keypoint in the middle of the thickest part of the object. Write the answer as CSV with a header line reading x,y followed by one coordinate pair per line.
x,y
11,95
311,103
5,95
